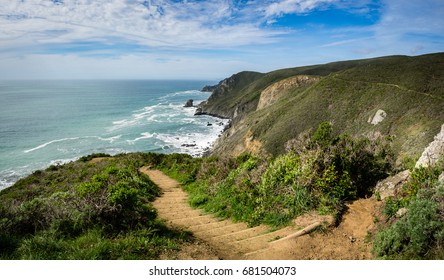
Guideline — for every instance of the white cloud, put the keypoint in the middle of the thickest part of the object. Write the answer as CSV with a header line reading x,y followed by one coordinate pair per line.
x,y
409,28
193,38
294,6
156,23
415,16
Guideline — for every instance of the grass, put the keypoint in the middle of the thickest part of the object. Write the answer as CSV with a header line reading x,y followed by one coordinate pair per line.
x,y
95,245
84,210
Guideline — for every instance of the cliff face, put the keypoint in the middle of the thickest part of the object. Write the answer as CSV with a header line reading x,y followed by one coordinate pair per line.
x,y
267,110
223,101
275,91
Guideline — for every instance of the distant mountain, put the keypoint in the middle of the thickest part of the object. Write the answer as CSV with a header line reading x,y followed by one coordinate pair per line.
x,y
397,96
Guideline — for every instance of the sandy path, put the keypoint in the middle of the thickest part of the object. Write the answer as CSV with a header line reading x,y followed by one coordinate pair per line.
x,y
238,241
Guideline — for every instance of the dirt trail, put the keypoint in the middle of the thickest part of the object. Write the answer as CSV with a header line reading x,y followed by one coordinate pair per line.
x,y
238,241
345,242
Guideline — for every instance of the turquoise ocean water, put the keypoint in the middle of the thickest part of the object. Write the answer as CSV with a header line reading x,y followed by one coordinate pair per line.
x,y
52,122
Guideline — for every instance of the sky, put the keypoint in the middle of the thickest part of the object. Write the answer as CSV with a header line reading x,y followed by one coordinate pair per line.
x,y
205,40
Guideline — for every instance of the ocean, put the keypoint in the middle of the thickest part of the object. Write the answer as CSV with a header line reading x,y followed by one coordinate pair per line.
x,y
43,123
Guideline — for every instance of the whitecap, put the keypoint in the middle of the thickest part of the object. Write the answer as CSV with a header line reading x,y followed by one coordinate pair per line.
x,y
110,139
193,143
49,143
137,118
185,93
62,161
145,135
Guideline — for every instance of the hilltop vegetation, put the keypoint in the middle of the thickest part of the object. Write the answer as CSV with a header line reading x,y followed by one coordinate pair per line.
x,y
410,90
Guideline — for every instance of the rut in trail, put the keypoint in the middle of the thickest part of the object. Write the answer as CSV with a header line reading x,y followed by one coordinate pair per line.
x,y
230,240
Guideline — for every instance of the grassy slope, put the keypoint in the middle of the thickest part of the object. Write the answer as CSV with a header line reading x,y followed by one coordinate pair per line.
x,y
409,89
58,214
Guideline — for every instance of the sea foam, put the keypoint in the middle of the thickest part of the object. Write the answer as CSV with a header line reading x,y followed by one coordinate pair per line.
x,y
99,117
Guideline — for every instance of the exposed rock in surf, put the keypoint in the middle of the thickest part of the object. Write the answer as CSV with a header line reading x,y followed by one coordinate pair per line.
x,y
189,145
189,103
199,112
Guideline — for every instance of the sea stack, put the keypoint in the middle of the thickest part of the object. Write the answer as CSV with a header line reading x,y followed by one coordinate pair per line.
x,y
189,103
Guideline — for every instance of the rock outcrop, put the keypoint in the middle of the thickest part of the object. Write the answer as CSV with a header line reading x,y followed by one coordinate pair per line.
x,y
378,117
208,88
433,152
389,186
189,103
273,92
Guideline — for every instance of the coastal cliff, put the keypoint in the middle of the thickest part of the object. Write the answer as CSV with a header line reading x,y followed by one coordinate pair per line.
x,y
228,89
268,110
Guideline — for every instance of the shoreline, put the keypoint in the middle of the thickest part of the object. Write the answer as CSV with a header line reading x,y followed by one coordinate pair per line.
x,y
199,152
197,143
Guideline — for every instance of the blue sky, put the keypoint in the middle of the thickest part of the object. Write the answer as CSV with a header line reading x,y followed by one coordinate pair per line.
x,y
192,39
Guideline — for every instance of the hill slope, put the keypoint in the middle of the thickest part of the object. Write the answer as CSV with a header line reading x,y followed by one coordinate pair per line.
x,y
407,94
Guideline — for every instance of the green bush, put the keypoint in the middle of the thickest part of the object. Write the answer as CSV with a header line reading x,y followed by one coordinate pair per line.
x,y
182,167
281,193
124,195
419,234
422,178
336,186
323,135
392,206
89,188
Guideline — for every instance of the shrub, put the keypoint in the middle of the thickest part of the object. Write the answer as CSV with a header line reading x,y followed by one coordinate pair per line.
x,y
323,135
85,211
124,195
391,206
281,193
422,178
336,186
89,188
419,234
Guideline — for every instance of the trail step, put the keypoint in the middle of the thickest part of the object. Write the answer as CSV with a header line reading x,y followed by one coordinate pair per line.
x,y
231,240
262,241
241,235
222,230
214,225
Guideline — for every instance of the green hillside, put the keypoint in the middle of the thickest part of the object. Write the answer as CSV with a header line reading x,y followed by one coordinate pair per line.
x,y
410,90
